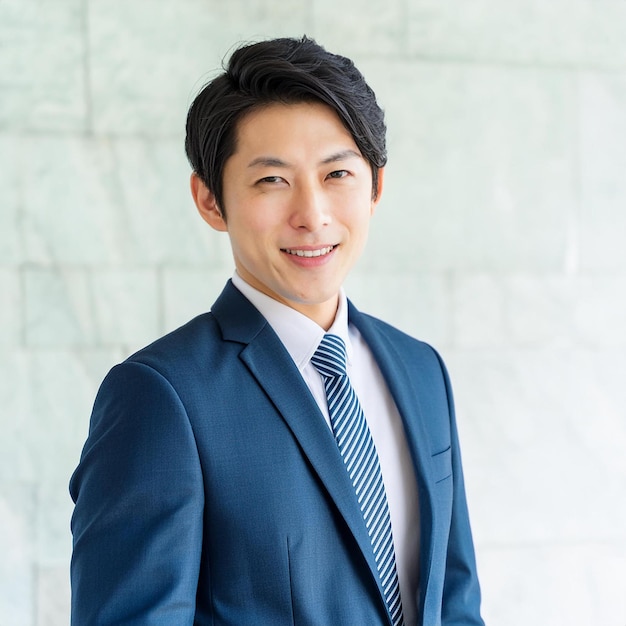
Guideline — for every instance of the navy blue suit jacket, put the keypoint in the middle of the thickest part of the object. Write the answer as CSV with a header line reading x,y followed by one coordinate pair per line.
x,y
211,491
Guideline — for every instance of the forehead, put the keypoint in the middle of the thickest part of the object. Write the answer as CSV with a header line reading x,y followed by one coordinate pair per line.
x,y
311,125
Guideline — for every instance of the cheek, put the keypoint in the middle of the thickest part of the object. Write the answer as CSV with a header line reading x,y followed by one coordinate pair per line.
x,y
250,239
358,218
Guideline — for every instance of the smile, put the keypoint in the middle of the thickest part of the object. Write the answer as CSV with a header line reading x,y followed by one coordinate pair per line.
x,y
309,253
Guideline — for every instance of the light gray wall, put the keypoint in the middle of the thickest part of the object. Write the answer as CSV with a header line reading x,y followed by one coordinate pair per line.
x,y
499,239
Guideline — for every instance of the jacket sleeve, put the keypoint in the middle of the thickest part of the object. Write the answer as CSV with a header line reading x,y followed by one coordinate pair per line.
x,y
138,491
461,591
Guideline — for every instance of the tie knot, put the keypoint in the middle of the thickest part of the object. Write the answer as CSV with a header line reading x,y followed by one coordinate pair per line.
x,y
330,357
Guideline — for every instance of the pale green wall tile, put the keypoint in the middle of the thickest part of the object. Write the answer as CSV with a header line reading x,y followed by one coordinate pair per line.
x,y
580,584
59,309
253,20
603,164
482,170
10,181
540,310
103,201
42,65
74,211
600,311
53,596
478,311
603,33
76,308
17,510
536,411
54,512
16,459
367,28
188,292
11,308
148,58
418,304
126,307
500,408
520,31
162,225
56,426
135,88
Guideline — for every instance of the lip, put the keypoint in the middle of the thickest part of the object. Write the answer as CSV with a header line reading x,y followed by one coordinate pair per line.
x,y
309,251
310,256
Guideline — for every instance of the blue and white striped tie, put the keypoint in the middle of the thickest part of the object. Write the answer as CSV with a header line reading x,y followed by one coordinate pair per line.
x,y
361,460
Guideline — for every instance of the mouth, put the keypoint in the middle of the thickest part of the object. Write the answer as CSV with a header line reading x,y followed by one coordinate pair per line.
x,y
309,253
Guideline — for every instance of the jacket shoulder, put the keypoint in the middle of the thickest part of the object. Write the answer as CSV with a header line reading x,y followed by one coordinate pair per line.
x,y
187,343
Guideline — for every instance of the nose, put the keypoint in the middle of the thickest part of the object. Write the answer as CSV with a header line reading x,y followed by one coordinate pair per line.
x,y
310,209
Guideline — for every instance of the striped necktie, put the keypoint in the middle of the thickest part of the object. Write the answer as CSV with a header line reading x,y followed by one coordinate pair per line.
x,y
361,460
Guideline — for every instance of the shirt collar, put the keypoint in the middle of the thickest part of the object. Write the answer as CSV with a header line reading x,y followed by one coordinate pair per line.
x,y
299,334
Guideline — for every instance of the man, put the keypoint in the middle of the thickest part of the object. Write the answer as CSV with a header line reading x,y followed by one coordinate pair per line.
x,y
234,473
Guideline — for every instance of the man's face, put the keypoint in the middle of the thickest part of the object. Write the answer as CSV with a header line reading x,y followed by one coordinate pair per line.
x,y
297,196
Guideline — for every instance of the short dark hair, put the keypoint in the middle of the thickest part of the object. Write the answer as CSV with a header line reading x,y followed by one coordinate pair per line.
x,y
287,71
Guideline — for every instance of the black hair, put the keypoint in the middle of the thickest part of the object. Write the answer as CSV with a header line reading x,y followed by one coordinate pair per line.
x,y
281,70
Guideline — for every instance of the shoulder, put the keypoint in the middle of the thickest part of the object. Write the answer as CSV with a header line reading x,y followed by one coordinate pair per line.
x,y
207,339
164,361
185,342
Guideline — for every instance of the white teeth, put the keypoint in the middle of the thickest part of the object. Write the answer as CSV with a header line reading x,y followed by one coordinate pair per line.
x,y
310,253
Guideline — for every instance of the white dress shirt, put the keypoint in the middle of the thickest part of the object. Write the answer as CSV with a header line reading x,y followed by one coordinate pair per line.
x,y
301,336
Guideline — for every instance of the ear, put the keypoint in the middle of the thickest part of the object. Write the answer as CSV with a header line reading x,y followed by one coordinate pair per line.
x,y
206,204
379,190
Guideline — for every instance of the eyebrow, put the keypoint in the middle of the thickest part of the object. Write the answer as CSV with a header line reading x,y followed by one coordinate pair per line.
x,y
341,156
269,161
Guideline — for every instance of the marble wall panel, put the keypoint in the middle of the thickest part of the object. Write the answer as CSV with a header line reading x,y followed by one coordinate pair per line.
x,y
190,292
17,583
11,308
16,459
542,432
559,32
54,512
162,224
418,304
73,204
478,311
53,596
62,385
482,168
10,241
147,59
110,202
59,308
540,310
603,162
375,33
126,307
552,585
42,77
600,310
46,398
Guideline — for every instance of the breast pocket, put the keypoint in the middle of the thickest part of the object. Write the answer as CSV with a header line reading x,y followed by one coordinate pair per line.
x,y
442,465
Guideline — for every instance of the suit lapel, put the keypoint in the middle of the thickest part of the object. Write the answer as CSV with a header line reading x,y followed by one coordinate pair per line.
x,y
269,362
406,392
271,365
401,385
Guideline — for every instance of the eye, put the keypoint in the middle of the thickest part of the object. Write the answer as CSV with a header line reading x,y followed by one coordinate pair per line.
x,y
270,180
338,174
